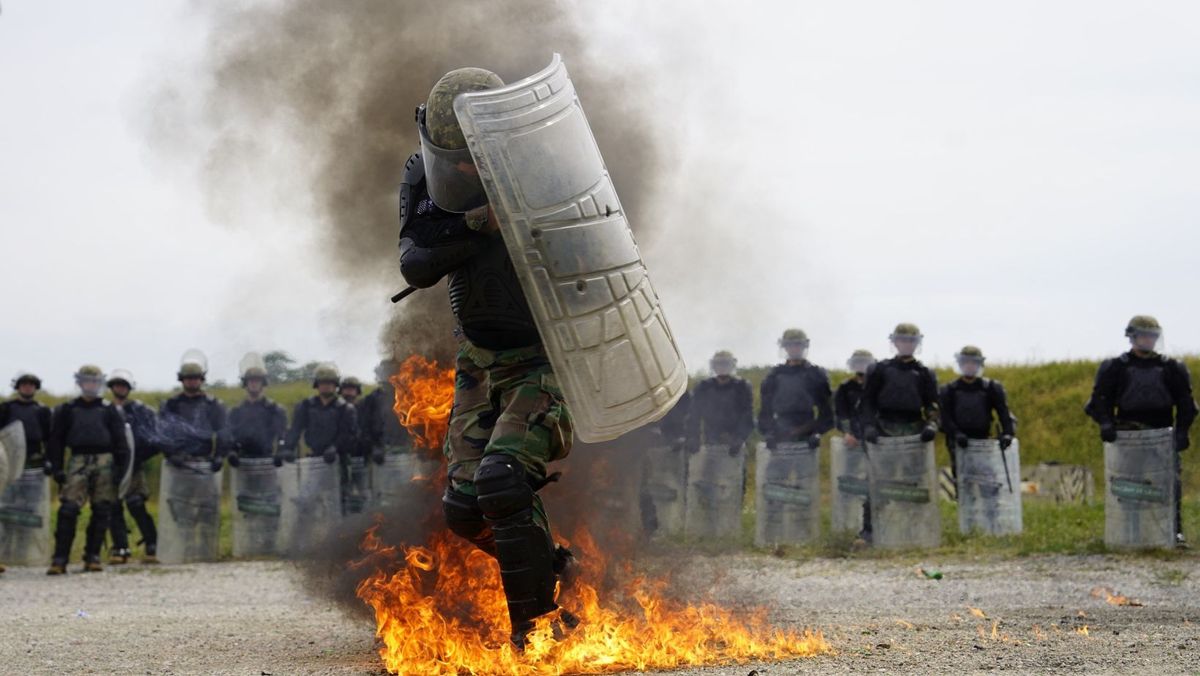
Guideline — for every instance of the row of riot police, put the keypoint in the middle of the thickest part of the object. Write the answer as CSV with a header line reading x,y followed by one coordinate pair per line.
x,y
287,478
882,471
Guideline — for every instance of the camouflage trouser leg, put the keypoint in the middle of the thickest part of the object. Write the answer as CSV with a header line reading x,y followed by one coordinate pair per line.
x,y
89,479
506,402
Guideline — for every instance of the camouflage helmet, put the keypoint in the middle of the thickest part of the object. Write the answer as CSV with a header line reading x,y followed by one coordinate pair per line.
x,y
723,354
440,120
861,354
970,352
906,329
326,373
89,371
26,377
1142,323
254,373
121,376
860,359
794,336
351,381
191,370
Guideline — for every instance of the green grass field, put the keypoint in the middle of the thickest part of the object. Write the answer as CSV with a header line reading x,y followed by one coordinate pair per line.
x,y
1047,398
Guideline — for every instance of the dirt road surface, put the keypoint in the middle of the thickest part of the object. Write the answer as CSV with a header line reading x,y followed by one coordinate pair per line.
x,y
256,618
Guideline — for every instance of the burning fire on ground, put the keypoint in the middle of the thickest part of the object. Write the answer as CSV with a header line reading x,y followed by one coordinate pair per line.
x,y
440,609
1114,598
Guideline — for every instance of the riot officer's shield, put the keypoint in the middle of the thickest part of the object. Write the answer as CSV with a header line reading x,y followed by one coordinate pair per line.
x,y
356,487
404,483
848,482
12,452
787,496
903,487
664,485
599,316
716,484
1139,500
257,508
25,520
989,488
189,513
312,503
125,481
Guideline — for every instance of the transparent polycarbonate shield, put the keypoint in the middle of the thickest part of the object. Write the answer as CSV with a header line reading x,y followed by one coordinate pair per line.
x,y
989,498
126,480
12,452
614,496
787,495
194,356
566,232
1139,496
251,360
404,483
312,503
848,482
189,513
715,489
903,486
356,489
25,536
664,486
257,507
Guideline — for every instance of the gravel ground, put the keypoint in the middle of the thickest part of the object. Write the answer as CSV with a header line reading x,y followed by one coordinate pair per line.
x,y
255,617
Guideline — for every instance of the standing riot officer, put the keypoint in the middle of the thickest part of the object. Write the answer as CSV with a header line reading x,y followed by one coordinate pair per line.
x,y
848,396
192,423
95,432
796,397
325,421
257,424
968,405
1142,390
144,423
34,417
380,431
350,390
722,408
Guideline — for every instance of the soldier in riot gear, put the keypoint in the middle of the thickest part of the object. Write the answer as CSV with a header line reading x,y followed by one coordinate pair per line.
x,y
1143,390
971,403
849,394
509,418
796,399
350,390
669,436
95,432
34,416
257,424
900,398
325,421
192,424
380,431
722,408
144,423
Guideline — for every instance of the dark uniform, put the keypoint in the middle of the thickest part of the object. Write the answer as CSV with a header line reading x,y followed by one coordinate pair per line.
x,y
35,418
328,427
95,432
255,426
1145,393
796,404
970,409
144,424
900,397
846,407
194,428
722,413
380,431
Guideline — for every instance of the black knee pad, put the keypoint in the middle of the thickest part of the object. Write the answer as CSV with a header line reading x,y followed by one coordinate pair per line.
x,y
69,510
135,502
463,516
502,488
102,510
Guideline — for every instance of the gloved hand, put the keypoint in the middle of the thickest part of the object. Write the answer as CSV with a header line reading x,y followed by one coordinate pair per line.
x,y
215,465
378,456
1108,432
277,460
772,443
176,460
48,468
330,455
1005,441
735,449
1181,441
961,440
233,459
871,434
928,433
814,441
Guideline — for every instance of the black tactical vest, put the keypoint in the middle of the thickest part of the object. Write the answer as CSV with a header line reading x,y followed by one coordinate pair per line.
x,y
488,302
1145,389
901,390
321,432
87,427
253,427
793,397
973,410
28,414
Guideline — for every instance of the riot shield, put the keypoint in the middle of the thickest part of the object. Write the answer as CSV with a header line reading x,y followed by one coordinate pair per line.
x,y
1139,503
403,484
598,314
257,508
903,487
189,513
664,484
25,520
12,452
357,493
989,488
615,499
715,489
848,480
125,481
312,503
788,495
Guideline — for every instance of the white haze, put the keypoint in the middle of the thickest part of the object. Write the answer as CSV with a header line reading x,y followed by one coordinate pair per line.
x,y
1022,176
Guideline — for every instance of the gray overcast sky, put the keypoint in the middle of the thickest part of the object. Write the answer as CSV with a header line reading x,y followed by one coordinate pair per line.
x,y
1023,175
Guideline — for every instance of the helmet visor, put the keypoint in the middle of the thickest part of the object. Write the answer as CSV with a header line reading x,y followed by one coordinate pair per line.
x,y
1146,340
860,364
723,366
450,175
971,367
906,346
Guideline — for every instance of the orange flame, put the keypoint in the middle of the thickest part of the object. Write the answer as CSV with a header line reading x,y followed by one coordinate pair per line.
x,y
1113,598
424,397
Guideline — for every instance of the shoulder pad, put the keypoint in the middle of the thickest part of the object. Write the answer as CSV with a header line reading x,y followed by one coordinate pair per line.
x,y
414,175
